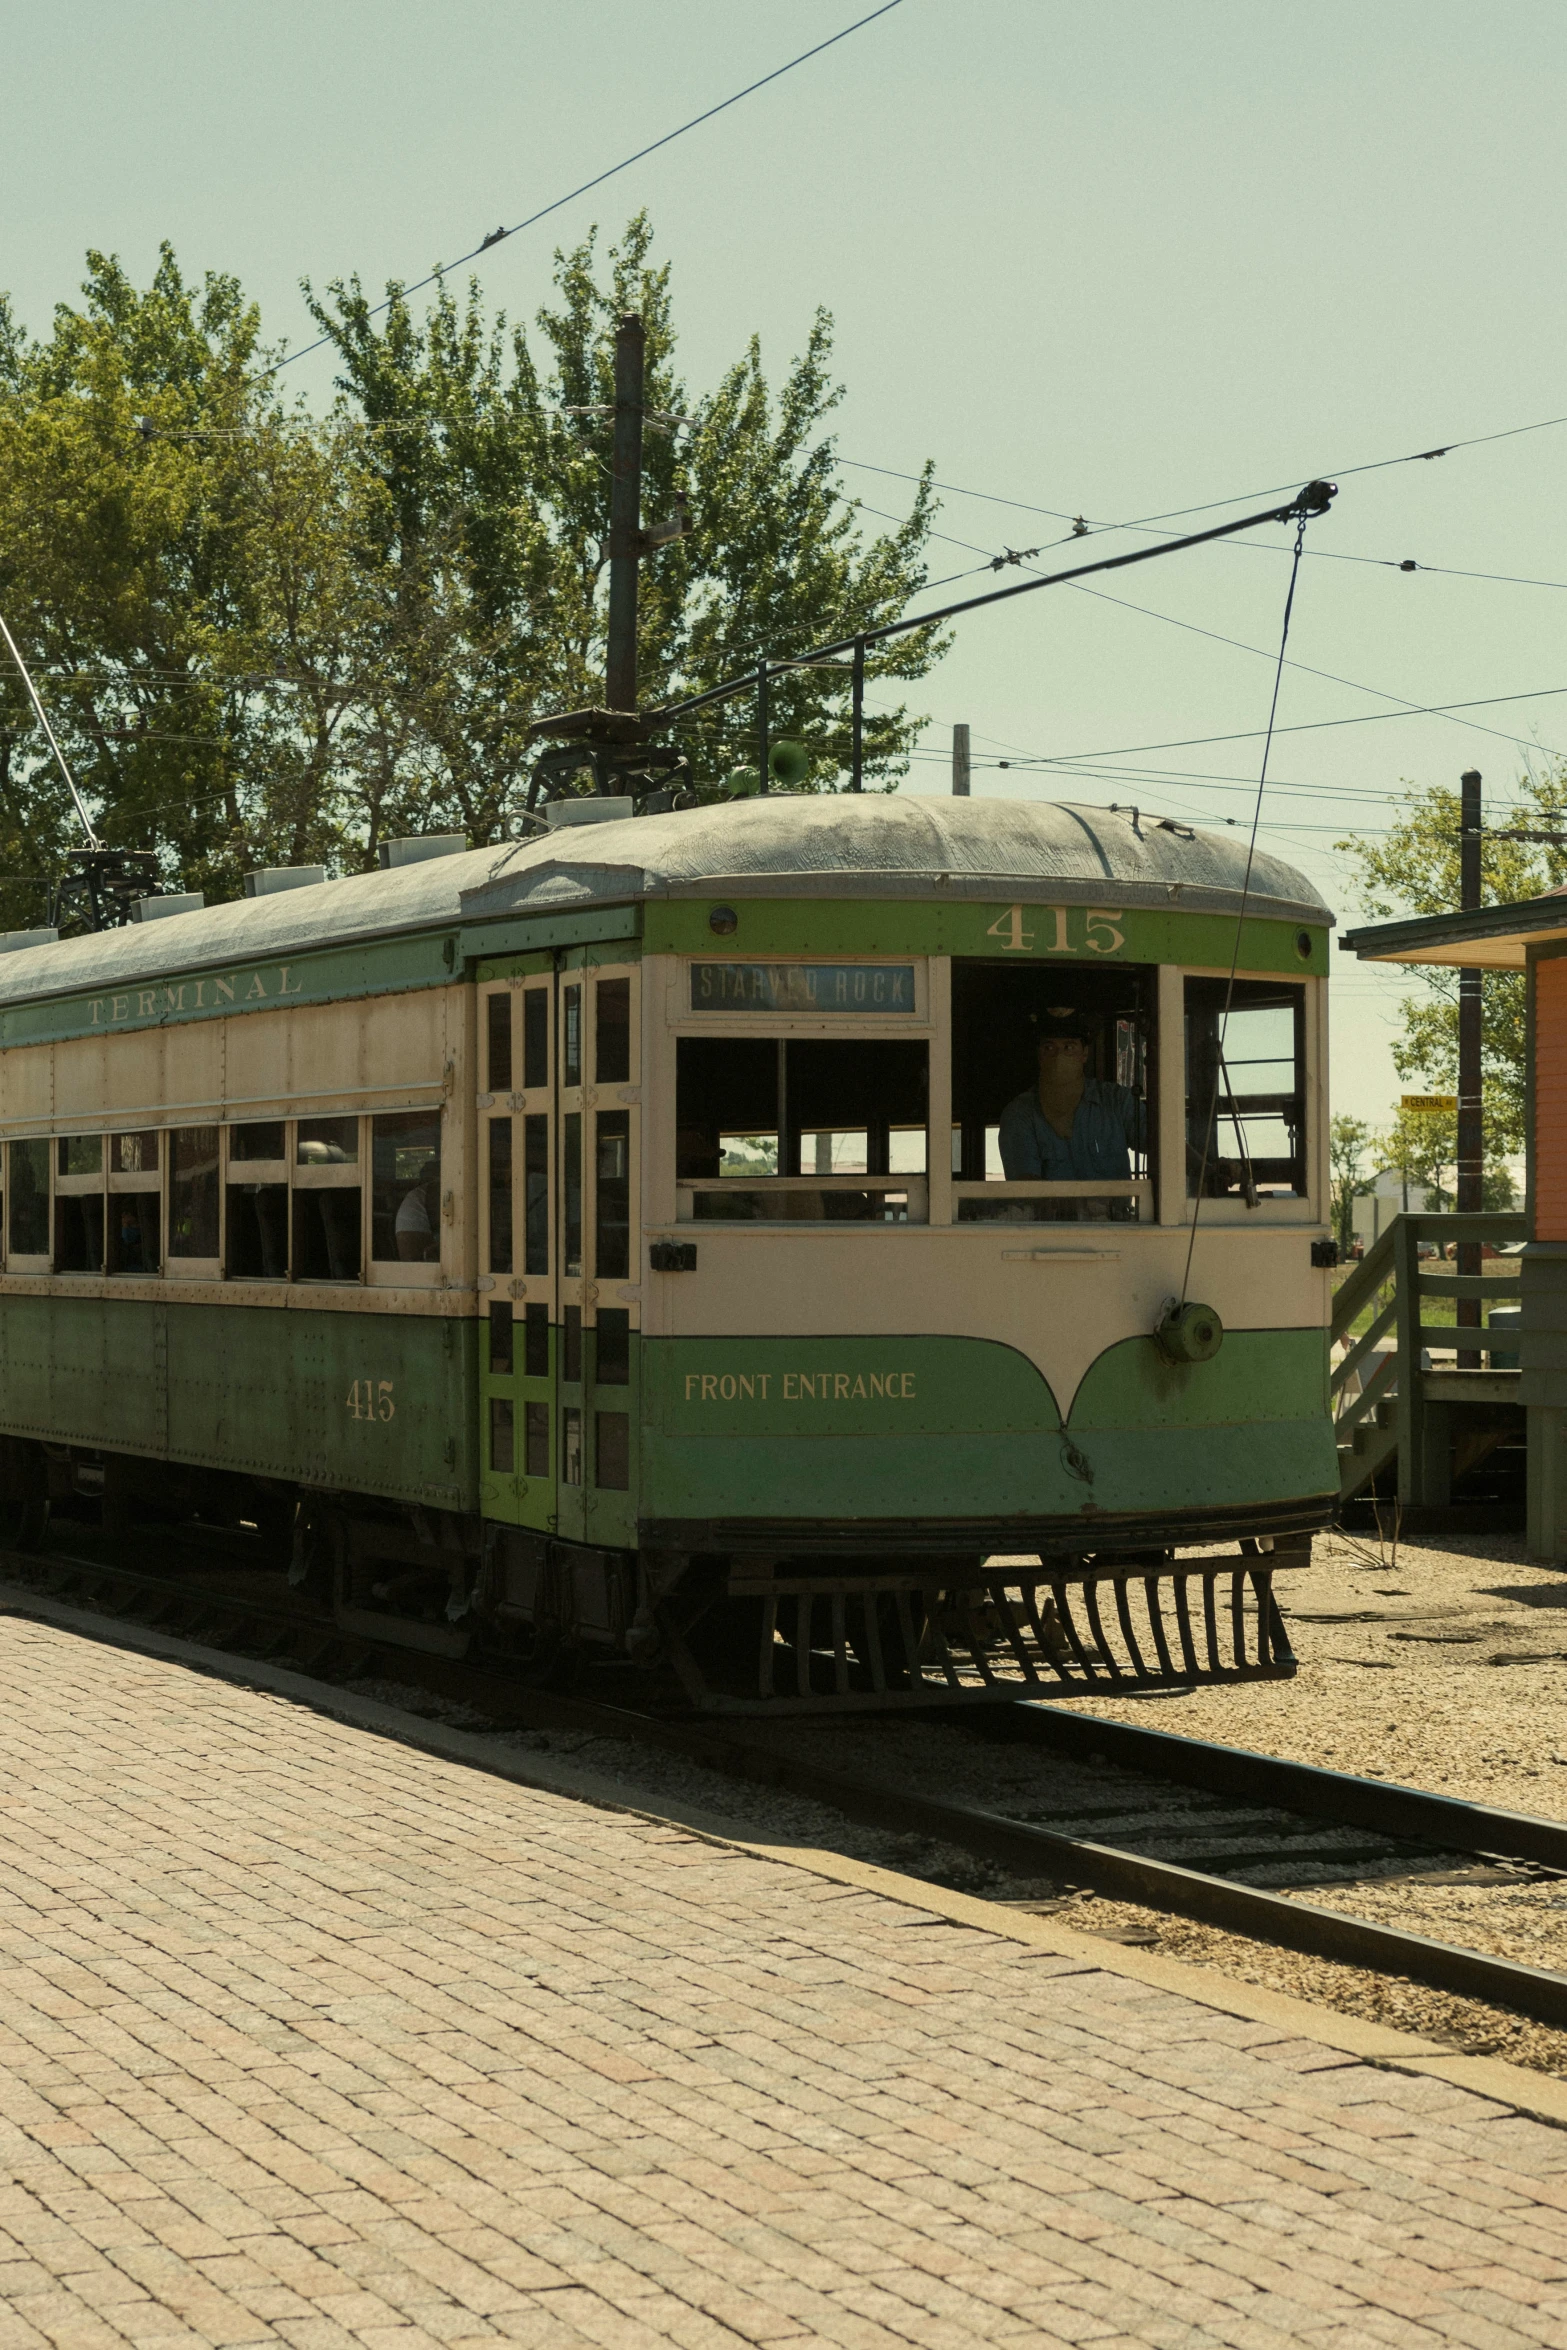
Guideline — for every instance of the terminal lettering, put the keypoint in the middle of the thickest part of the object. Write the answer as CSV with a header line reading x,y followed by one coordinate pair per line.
x,y
168,997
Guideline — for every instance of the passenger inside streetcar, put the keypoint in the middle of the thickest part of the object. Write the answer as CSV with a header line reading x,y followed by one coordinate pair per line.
x,y
1069,1126
1050,1077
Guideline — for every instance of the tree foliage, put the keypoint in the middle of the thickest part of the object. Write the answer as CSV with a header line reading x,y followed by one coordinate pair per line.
x,y
265,636
1415,870
1349,1140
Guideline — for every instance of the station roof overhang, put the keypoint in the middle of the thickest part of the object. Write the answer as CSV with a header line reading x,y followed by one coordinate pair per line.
x,y
1487,938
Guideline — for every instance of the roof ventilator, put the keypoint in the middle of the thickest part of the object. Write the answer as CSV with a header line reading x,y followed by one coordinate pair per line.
x,y
13,941
175,901
392,853
588,810
272,878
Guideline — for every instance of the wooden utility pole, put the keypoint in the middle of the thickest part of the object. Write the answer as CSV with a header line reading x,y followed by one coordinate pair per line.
x,y
960,763
1471,1132
625,517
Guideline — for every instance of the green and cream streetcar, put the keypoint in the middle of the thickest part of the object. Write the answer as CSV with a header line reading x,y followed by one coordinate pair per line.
x,y
751,1242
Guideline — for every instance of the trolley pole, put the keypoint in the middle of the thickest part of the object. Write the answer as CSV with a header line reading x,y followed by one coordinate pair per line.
x,y
960,763
1471,1137
625,518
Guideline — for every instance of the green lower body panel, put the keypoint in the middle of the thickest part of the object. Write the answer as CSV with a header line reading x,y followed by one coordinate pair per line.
x,y
931,1428
382,1404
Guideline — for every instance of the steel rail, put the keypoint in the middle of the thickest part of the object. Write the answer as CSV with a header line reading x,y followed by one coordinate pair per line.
x,y
1018,1845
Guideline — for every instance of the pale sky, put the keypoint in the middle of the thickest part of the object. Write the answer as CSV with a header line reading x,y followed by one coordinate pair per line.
x,y
1112,259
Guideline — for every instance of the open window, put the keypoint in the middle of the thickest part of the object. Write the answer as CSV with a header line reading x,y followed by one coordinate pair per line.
x,y
327,1200
78,1203
1052,1115
802,1129
27,1205
1246,1090
135,1238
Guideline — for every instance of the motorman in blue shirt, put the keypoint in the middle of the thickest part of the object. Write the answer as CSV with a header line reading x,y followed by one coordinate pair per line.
x,y
1069,1127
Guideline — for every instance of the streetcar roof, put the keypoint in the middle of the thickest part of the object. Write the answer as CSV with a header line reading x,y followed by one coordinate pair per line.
x,y
779,845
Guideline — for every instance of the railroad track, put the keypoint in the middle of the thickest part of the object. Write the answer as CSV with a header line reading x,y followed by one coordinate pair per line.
x,y
1110,1832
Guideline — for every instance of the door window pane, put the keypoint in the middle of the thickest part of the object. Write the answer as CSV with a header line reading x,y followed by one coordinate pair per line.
x,y
500,1339
328,1142
326,1234
405,1197
573,1186
133,1154
571,1054
612,1358
571,1446
193,1191
612,1022
571,1345
78,1232
536,1037
498,1023
612,1198
500,1195
536,1170
135,1218
262,1139
536,1438
536,1359
612,1451
502,1436
1245,1089
81,1154
29,1199
257,1229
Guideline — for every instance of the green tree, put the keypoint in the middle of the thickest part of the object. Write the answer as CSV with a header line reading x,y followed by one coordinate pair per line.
x,y
489,473
1349,1139
1421,1146
1414,870
178,565
269,637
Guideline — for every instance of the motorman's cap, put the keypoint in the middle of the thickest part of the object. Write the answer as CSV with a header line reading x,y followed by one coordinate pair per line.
x,y
1062,1020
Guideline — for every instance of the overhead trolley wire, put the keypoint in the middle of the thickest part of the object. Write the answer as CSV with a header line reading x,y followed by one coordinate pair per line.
x,y
499,236
1219,1073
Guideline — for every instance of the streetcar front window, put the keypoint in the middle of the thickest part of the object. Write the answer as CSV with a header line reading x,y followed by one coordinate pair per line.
x,y
1050,1092
1245,1089
755,1113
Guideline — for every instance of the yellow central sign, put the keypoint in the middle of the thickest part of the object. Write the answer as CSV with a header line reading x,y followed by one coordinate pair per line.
x,y
1429,1104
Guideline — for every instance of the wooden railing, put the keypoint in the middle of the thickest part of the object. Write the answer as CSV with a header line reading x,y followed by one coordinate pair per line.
x,y
1397,1409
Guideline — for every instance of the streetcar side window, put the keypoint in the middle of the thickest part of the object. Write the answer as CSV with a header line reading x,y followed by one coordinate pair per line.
x,y
193,1192
257,1230
135,1204
1245,1089
405,1195
29,1198
78,1204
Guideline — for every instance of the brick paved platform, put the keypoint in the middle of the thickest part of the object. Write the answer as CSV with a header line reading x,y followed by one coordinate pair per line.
x,y
310,2037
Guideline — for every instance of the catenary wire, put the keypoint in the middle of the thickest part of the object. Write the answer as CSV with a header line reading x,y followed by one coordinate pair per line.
x,y
500,236
1217,636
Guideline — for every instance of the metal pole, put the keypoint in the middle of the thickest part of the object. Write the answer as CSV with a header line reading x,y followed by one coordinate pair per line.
x,y
857,752
761,726
1471,1138
960,763
625,518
